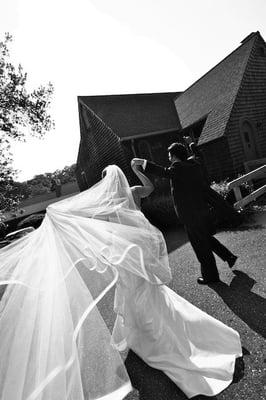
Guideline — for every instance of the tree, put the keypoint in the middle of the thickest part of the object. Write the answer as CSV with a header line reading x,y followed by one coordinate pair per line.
x,y
67,174
42,183
19,109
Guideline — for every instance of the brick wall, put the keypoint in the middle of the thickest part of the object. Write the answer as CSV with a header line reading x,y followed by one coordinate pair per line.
x,y
99,147
217,159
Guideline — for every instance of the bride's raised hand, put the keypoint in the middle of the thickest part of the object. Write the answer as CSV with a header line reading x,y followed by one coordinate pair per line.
x,y
137,161
136,164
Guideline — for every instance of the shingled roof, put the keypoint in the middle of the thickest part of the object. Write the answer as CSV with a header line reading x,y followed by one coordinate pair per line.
x,y
214,94
131,115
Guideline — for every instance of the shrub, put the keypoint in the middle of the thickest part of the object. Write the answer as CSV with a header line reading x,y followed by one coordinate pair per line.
x,y
222,188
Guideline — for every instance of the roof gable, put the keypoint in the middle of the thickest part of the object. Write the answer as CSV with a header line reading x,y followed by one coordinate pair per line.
x,y
135,114
213,95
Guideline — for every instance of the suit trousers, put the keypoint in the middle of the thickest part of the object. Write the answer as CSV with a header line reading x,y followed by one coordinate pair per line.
x,y
204,245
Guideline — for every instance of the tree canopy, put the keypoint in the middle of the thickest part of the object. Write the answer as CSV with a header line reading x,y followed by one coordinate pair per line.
x,y
42,183
19,109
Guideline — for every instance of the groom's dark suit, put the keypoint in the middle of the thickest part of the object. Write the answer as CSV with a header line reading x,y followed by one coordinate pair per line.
x,y
188,189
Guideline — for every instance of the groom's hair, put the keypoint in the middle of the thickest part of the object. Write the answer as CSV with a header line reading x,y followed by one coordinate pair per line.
x,y
178,150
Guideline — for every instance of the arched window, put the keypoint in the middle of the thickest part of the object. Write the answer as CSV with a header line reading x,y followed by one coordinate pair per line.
x,y
248,136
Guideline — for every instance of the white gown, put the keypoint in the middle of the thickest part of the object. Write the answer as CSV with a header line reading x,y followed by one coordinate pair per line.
x,y
55,345
196,351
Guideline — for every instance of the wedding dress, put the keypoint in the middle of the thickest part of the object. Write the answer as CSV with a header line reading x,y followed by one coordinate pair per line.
x,y
54,343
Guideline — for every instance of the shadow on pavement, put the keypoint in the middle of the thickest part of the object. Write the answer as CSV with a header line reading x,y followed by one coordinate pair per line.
x,y
175,237
248,306
153,384
252,221
244,228
239,368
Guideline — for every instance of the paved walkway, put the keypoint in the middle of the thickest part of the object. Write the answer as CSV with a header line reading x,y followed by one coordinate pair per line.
x,y
240,302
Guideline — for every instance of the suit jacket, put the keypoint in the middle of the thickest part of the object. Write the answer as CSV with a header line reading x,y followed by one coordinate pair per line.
x,y
222,210
187,188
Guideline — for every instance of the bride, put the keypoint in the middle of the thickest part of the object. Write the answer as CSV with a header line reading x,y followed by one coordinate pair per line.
x,y
54,343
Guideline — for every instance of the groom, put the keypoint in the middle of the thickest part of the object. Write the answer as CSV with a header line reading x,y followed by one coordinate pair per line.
x,y
187,187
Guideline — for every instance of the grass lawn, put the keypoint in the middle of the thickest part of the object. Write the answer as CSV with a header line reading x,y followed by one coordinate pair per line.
x,y
239,302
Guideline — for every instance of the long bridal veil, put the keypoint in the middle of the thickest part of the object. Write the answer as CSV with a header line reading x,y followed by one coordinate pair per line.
x,y
54,342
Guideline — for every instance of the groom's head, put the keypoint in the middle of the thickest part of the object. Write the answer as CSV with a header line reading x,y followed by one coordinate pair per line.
x,y
177,152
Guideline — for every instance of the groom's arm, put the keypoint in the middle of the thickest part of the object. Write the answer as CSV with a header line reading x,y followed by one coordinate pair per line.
x,y
156,169
153,168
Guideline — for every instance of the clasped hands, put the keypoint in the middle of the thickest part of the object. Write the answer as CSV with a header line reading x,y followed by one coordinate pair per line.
x,y
137,164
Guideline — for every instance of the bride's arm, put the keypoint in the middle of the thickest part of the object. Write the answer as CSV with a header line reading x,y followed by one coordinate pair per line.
x,y
147,188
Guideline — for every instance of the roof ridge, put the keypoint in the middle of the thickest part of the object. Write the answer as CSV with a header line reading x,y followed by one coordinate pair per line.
x,y
175,92
251,35
94,114
245,41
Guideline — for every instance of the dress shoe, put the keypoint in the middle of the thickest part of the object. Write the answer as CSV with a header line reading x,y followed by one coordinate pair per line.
x,y
231,261
203,281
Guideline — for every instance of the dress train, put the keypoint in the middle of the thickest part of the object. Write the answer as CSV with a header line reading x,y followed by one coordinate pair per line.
x,y
196,351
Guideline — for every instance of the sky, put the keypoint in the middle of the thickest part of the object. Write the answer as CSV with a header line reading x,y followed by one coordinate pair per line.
x,y
99,47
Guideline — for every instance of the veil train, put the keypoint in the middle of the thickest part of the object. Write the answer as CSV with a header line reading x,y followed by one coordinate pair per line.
x,y
54,343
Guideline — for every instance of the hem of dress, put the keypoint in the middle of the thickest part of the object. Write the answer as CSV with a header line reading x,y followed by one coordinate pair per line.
x,y
118,394
226,385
